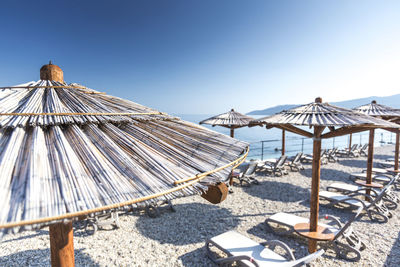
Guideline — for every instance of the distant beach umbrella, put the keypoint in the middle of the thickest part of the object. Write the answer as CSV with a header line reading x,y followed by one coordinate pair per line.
x,y
68,151
321,116
230,119
386,113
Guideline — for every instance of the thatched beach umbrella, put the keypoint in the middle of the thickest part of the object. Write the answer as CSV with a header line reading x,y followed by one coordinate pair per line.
x,y
385,113
339,121
68,151
230,119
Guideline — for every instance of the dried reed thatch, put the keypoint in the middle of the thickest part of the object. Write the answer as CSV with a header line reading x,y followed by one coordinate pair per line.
x,y
378,110
67,150
230,119
321,114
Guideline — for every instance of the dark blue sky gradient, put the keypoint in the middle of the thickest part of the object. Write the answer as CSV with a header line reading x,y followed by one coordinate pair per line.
x,y
206,56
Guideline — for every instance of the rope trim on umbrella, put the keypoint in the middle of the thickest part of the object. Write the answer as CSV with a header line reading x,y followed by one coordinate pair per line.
x,y
80,114
192,181
54,86
43,86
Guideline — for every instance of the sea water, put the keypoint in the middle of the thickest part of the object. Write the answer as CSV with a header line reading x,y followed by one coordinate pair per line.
x,y
267,143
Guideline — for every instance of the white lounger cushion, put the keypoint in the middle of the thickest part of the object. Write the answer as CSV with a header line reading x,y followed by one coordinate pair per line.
x,y
350,187
236,245
291,220
363,175
333,196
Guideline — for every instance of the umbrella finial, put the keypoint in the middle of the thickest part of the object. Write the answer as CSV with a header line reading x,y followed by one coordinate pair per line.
x,y
232,110
318,100
51,72
373,102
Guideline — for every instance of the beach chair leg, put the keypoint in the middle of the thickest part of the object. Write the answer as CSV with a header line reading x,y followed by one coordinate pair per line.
x,y
346,252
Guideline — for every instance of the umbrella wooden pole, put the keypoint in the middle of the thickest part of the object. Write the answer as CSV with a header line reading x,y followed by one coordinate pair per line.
x,y
370,158
350,137
283,142
62,245
232,132
396,153
314,200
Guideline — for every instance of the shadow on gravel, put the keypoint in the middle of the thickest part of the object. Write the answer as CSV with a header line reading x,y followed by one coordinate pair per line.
x,y
354,162
196,258
35,234
41,257
328,174
277,191
191,223
393,258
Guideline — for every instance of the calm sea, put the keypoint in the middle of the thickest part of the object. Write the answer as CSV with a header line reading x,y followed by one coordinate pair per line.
x,y
267,143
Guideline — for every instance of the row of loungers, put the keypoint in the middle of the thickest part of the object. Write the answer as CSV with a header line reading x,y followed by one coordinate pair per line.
x,y
345,240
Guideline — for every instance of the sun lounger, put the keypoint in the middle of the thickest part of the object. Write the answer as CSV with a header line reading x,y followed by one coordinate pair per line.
x,y
309,157
353,152
364,150
390,197
384,179
95,221
276,168
373,207
331,155
247,177
247,252
295,164
346,243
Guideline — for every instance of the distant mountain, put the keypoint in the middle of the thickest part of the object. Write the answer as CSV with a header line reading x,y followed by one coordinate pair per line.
x,y
391,101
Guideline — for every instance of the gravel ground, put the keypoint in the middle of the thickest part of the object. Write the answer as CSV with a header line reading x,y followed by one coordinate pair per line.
x,y
177,238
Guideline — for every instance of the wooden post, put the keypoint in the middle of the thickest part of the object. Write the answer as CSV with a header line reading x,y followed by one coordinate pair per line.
x,y
396,153
314,199
370,158
62,245
283,142
61,234
232,132
350,137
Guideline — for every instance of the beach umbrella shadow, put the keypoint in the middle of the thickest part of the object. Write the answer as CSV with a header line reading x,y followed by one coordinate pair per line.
x,y
192,223
287,192
359,163
41,257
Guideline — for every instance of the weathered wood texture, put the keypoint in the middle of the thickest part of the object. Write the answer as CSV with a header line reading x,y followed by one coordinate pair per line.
x,y
370,159
62,245
315,180
52,73
396,154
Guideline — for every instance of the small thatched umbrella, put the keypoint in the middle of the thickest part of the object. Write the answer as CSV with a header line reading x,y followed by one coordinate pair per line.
x,y
68,151
385,113
230,119
339,121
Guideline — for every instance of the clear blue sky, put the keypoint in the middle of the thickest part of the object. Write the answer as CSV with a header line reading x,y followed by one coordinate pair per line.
x,y
208,56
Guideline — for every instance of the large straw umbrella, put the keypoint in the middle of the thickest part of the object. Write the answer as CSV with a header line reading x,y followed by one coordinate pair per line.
x,y
386,113
67,151
230,119
339,121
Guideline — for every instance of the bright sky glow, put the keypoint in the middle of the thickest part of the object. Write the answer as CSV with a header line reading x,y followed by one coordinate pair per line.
x,y
188,57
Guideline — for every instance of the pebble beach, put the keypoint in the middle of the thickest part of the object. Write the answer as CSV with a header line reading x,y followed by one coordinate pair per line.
x,y
177,238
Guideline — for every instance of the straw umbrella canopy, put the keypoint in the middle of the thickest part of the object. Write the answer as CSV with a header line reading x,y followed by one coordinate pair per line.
x,y
68,151
386,113
230,119
321,116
